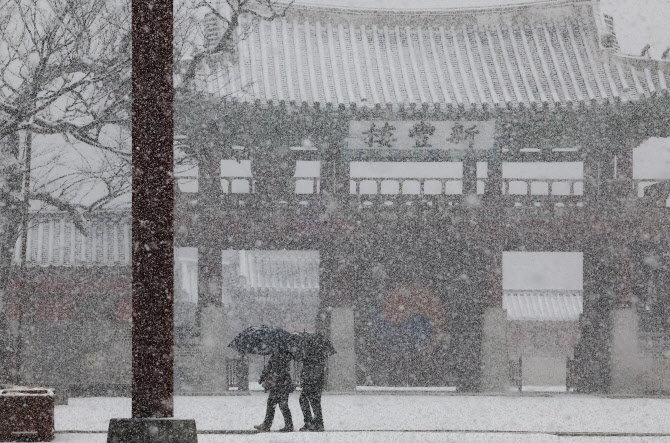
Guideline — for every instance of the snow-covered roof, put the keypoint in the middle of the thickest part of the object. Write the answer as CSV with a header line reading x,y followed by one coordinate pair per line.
x,y
289,270
538,305
542,52
53,240
419,5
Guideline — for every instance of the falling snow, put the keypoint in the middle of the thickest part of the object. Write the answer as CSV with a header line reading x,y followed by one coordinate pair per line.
x,y
439,221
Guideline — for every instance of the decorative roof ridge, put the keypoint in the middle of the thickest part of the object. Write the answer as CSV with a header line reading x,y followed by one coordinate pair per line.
x,y
514,15
535,291
638,61
529,4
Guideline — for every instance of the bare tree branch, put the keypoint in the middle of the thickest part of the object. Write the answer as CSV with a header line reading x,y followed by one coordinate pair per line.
x,y
260,9
72,209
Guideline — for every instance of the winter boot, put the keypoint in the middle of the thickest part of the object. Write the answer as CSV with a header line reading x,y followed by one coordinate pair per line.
x,y
262,427
316,427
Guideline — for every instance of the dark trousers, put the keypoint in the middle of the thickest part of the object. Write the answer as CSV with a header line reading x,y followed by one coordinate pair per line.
x,y
311,401
282,401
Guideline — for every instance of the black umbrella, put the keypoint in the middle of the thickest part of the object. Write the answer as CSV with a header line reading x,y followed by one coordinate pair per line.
x,y
314,345
264,340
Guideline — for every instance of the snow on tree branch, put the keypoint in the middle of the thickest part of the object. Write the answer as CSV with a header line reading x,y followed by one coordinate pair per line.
x,y
66,70
237,9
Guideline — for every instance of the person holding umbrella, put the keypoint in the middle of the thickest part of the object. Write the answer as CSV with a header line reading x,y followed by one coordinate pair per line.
x,y
315,350
276,379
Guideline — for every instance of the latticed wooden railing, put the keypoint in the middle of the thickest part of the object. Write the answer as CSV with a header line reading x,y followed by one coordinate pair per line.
x,y
405,186
249,185
400,192
543,187
530,193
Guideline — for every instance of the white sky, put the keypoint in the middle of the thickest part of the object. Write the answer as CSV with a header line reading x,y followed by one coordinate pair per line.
x,y
638,22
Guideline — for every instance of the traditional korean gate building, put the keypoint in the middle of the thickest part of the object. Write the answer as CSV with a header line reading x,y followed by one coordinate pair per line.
x,y
539,82
410,265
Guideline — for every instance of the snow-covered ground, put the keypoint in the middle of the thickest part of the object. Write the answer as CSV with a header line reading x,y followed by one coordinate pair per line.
x,y
389,437
414,417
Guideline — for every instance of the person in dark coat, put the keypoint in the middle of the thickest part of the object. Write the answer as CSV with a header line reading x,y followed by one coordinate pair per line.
x,y
313,380
276,379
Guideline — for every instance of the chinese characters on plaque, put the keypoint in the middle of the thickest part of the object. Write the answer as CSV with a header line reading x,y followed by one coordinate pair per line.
x,y
460,134
409,135
422,131
381,136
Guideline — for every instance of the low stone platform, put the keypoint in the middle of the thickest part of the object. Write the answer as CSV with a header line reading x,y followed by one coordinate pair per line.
x,y
151,430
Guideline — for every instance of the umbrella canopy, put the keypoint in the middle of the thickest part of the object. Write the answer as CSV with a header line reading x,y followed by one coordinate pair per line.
x,y
264,340
314,346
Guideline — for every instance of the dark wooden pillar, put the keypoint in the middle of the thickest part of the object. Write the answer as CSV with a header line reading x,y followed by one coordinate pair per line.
x,y
493,207
152,210
209,175
153,241
336,314
210,192
469,172
592,357
625,188
334,175
470,288
494,355
210,268
598,167
211,373
327,264
624,277
591,179
493,268
337,280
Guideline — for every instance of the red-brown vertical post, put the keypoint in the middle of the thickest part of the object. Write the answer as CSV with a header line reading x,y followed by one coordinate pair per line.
x,y
469,172
210,268
493,195
494,363
624,276
153,280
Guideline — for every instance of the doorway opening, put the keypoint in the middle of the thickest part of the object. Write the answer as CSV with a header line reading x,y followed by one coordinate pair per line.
x,y
542,294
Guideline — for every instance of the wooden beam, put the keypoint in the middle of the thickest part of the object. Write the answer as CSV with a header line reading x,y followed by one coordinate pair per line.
x,y
152,209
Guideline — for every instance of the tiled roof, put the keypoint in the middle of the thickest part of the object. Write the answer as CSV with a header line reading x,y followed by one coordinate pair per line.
x,y
538,305
53,240
531,54
272,270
